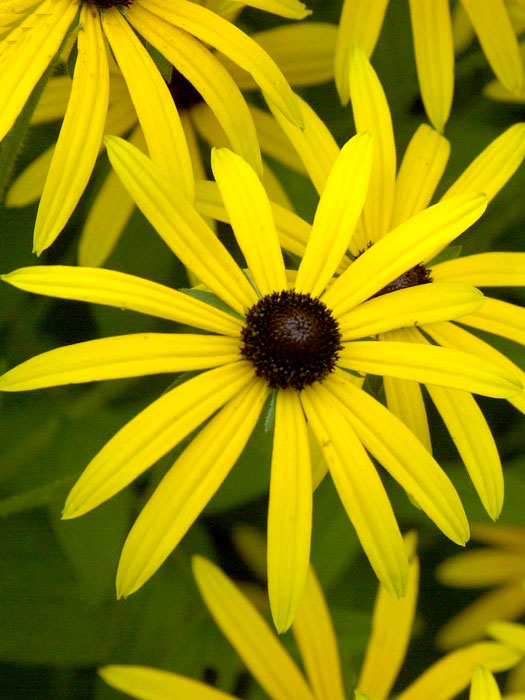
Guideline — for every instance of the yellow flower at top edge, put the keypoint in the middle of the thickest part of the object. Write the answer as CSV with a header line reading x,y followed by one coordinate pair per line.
x,y
361,22
393,197
279,675
288,342
179,29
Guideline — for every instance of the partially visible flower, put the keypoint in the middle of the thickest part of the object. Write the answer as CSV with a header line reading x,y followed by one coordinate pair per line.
x,y
484,686
499,567
513,635
391,200
361,22
280,677
291,343
179,30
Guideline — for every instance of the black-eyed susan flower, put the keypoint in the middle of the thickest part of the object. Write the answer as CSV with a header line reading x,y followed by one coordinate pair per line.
x,y
179,30
303,61
393,199
498,567
291,342
279,675
361,22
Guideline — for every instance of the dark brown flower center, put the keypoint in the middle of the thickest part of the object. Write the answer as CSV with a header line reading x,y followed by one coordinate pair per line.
x,y
411,278
184,94
106,4
292,339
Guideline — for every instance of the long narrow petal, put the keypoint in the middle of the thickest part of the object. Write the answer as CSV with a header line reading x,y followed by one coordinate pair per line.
x,y
484,686
510,633
124,292
251,218
337,213
315,635
431,365
273,141
187,487
152,433
421,169
232,42
314,143
450,675
152,684
291,9
360,23
250,634
500,317
434,49
30,56
359,486
412,306
121,356
451,336
484,270
156,110
388,642
372,114
498,40
403,456
179,225
202,69
494,166
289,511
405,400
483,568
28,186
405,246
471,434
80,136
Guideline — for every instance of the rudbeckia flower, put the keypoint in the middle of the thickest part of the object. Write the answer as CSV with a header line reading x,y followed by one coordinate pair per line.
x,y
279,675
179,30
288,342
392,199
361,22
499,567
303,52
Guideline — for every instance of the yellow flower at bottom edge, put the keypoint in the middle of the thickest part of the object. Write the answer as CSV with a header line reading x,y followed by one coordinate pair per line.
x,y
35,32
291,342
512,634
273,668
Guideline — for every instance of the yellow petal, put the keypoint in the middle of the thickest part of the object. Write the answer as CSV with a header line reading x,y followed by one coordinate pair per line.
x,y
405,400
80,136
289,511
484,686
291,9
29,57
251,218
232,42
360,23
28,186
423,165
450,675
274,190
152,684
499,317
434,50
179,225
482,568
498,40
121,356
337,213
403,456
407,245
391,629
412,306
187,487
431,365
156,110
494,166
53,103
152,433
510,633
202,69
250,634
359,487
274,142
484,270
315,636
504,535
124,292
372,114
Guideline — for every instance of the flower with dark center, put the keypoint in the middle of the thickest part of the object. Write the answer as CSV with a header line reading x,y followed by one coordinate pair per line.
x,y
291,339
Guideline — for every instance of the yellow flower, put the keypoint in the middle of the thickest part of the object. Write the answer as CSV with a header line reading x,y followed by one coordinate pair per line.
x,y
291,341
484,686
280,677
392,199
361,22
513,635
178,29
304,53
